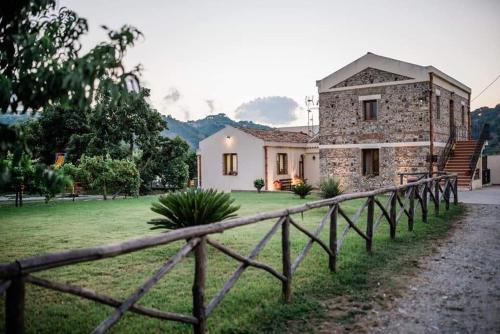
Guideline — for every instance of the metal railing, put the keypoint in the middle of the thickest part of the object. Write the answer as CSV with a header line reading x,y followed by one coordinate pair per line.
x,y
483,137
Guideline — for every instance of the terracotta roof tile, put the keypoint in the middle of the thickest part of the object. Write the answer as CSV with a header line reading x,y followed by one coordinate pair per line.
x,y
275,135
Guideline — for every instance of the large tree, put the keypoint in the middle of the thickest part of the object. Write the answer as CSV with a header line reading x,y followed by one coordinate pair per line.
x,y
42,64
117,128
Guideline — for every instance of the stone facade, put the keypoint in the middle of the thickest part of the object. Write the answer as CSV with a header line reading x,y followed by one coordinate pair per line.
x,y
442,124
371,76
345,164
401,131
402,115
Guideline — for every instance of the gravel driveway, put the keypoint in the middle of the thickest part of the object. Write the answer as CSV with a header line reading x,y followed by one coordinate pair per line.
x,y
458,289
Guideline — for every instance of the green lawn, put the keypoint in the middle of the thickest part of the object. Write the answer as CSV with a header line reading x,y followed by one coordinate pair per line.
x,y
253,305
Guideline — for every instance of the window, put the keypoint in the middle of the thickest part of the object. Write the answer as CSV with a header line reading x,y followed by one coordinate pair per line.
x,y
370,110
370,162
463,115
438,107
282,163
230,163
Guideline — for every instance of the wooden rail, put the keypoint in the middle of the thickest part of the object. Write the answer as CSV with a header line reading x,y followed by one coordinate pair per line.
x,y
401,201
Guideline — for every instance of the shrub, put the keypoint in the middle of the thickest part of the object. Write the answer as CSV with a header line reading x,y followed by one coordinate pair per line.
x,y
193,207
258,184
330,187
302,189
49,182
110,175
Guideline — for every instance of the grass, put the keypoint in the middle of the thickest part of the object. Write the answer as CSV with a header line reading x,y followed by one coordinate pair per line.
x,y
252,306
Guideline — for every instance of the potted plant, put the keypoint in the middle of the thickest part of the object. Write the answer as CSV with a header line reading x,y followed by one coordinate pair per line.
x,y
258,184
302,189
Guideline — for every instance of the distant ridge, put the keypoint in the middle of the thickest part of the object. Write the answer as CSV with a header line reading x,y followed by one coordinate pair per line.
x,y
195,131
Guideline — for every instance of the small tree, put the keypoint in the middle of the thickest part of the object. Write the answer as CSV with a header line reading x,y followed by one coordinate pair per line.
x,y
330,187
193,207
302,189
110,175
49,182
21,172
125,177
258,184
175,174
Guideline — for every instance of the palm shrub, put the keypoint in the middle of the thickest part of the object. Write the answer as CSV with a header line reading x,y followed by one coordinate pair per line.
x,y
302,189
330,187
192,207
258,184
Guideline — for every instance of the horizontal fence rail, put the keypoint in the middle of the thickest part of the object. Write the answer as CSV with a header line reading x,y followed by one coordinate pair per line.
x,y
401,201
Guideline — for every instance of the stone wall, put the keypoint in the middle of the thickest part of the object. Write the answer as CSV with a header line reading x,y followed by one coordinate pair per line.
x,y
345,164
370,76
402,115
442,125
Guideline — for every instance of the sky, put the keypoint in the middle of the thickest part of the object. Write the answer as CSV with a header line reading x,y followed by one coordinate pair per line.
x,y
257,60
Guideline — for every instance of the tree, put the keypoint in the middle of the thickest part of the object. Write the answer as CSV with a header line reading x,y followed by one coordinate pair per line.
x,y
192,161
48,182
117,128
53,131
108,175
41,64
21,175
173,168
167,160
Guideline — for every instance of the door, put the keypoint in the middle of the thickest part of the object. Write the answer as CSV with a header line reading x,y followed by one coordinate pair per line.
x,y
301,167
452,118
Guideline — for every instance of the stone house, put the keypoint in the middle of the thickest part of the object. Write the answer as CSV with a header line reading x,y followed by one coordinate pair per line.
x,y
232,158
379,117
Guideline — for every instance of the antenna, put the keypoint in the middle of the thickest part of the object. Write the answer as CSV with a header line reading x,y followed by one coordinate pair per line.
x,y
311,103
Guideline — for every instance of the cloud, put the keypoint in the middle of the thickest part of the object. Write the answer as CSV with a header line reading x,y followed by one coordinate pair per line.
x,y
211,106
186,113
271,110
173,95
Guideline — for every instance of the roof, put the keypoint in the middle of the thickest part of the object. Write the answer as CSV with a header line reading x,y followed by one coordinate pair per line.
x,y
275,135
370,60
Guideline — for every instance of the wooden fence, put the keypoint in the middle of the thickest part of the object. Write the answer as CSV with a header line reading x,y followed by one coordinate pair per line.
x,y
401,201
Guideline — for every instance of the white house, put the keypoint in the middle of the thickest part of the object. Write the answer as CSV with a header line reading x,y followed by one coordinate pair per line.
x,y
232,158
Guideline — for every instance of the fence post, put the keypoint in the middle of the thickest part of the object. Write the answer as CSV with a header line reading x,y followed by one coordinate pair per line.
x,y
424,203
369,223
447,194
411,210
200,253
287,264
14,306
455,191
436,197
392,213
332,263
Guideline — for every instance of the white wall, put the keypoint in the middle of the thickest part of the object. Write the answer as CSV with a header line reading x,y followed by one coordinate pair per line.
x,y
293,163
250,153
311,167
478,183
494,166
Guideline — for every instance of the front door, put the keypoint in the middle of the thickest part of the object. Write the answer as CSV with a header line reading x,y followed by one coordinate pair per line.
x,y
301,167
452,118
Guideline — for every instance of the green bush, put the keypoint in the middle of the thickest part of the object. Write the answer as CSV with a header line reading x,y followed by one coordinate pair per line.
x,y
258,184
330,187
193,207
49,182
302,189
108,175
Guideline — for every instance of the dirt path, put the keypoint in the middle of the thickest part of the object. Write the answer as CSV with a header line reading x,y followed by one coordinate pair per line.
x,y
458,289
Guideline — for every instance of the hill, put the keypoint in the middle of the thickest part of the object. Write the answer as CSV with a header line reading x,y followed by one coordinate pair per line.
x,y
194,131
484,115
